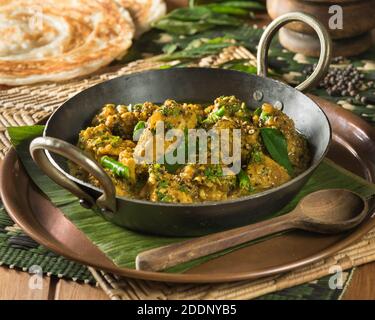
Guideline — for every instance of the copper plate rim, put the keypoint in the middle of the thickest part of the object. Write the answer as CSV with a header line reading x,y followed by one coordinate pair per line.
x,y
7,175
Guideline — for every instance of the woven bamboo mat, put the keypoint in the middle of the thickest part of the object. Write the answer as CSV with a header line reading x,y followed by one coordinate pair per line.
x,y
29,104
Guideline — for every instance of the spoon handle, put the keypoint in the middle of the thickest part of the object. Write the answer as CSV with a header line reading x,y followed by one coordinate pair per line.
x,y
174,254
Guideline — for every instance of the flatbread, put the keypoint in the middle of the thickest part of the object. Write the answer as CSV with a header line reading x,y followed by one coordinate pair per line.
x,y
144,12
49,40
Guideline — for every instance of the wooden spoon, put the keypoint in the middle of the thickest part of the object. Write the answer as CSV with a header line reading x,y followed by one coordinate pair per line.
x,y
325,211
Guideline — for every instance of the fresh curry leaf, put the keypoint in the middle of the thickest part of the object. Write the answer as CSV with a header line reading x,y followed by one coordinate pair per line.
x,y
251,5
188,49
203,50
182,27
17,134
189,21
224,20
225,9
190,14
244,68
276,145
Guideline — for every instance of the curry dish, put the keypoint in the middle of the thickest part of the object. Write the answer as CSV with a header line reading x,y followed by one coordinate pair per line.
x,y
272,152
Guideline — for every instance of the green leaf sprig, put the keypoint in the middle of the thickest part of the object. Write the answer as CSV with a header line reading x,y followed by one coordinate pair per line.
x,y
200,17
276,145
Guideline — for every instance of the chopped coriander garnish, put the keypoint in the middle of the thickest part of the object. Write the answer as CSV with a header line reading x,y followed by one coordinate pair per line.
x,y
258,111
183,188
256,156
213,172
244,181
264,116
163,197
163,184
173,109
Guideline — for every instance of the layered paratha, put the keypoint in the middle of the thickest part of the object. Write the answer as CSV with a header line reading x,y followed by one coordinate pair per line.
x,y
47,40
144,12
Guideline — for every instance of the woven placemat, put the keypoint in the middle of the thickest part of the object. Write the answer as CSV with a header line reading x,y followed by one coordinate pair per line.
x,y
19,251
29,104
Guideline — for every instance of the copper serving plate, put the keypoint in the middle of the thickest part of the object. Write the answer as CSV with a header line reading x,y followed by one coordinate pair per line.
x,y
353,147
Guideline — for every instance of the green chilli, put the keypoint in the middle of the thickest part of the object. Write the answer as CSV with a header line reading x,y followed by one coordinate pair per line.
x,y
116,167
215,116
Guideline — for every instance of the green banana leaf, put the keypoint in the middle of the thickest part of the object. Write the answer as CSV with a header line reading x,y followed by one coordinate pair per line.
x,y
122,245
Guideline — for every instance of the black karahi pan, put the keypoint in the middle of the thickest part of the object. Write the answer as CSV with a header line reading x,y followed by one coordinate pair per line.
x,y
185,84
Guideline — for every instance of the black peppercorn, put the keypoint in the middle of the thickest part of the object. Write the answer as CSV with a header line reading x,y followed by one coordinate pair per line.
x,y
341,81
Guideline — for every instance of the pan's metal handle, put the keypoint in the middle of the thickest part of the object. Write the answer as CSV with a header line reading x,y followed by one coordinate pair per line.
x,y
106,202
325,46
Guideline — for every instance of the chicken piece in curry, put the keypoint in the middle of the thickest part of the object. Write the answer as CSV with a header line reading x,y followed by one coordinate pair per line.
x,y
272,151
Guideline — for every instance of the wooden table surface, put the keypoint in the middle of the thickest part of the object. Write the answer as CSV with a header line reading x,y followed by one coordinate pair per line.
x,y
15,284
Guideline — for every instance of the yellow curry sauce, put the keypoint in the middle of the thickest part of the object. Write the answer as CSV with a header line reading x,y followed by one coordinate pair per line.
x,y
110,141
